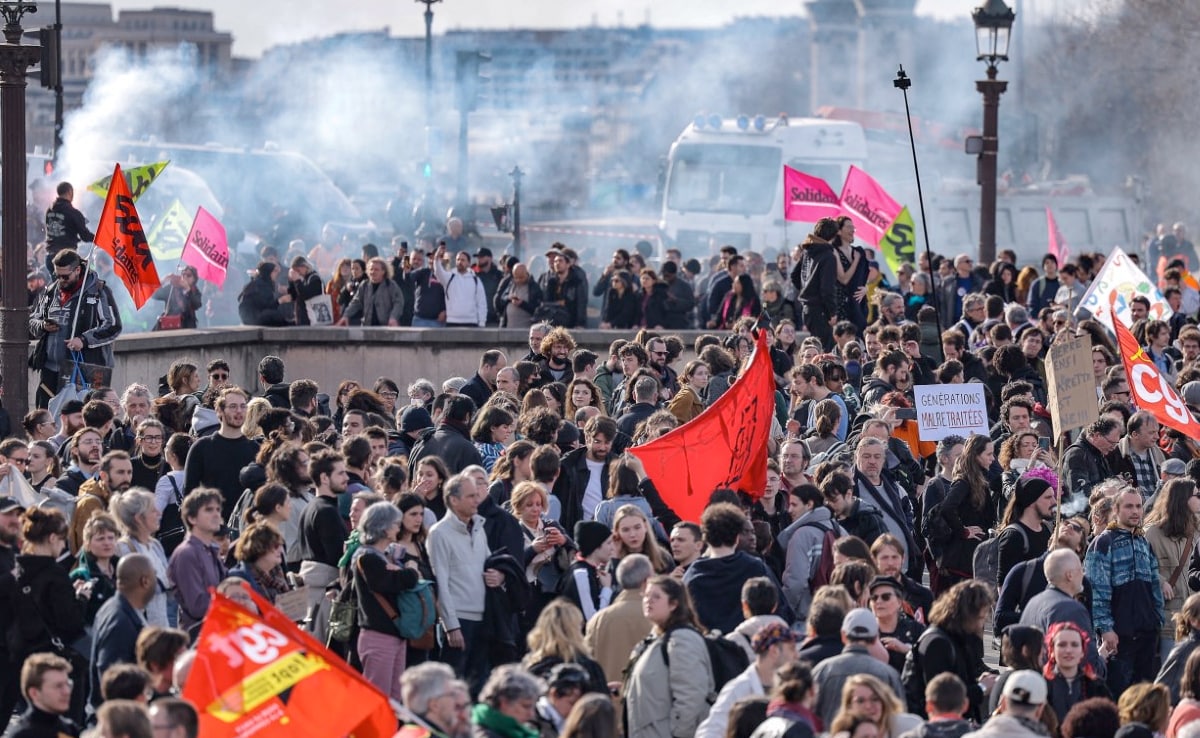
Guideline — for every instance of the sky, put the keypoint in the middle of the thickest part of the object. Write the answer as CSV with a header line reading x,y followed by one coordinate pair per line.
x,y
256,25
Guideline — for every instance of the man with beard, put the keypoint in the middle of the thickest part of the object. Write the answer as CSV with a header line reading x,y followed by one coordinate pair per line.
x,y
809,380
954,346
116,475
1123,569
1027,536
466,299
489,276
564,286
217,460
584,478
555,358
891,373
87,446
78,314
322,536
70,420
680,299
793,464
481,386
10,531
656,349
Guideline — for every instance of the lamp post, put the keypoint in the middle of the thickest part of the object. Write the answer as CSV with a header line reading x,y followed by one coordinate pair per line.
x,y
15,61
993,30
427,168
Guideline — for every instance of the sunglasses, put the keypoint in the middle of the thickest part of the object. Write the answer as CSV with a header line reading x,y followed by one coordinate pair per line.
x,y
883,597
219,376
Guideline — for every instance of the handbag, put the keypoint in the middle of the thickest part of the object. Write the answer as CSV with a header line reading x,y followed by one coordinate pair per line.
x,y
73,388
168,322
343,615
423,593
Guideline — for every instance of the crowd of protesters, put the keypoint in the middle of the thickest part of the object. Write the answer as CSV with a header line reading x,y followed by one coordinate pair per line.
x,y
852,595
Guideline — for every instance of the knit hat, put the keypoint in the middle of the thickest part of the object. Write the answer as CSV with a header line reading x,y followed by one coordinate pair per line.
x,y
1029,489
590,535
770,635
415,418
1174,467
1190,394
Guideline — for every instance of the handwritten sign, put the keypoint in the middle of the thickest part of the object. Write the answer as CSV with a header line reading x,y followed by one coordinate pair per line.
x,y
950,410
1071,386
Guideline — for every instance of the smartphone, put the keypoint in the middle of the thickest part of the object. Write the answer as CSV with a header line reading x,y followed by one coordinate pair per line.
x,y
1044,443
906,413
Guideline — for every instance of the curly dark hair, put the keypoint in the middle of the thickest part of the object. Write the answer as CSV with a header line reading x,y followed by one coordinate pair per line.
x,y
960,606
539,425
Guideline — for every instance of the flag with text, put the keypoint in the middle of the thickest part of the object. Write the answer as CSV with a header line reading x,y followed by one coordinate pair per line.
x,y
1149,389
807,198
870,207
206,248
120,234
899,244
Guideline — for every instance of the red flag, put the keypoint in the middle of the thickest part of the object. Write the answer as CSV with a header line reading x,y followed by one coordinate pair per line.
x,y
1057,245
120,234
726,446
1150,390
807,198
263,676
870,207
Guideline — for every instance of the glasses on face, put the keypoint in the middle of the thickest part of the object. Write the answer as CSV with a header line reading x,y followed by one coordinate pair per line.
x,y
1075,527
389,395
658,353
22,460
151,439
219,376
883,597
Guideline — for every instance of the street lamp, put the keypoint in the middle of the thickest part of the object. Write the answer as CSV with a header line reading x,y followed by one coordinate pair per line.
x,y
427,167
993,31
15,61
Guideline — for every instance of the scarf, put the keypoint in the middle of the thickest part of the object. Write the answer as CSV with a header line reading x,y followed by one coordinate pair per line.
x,y
486,716
794,711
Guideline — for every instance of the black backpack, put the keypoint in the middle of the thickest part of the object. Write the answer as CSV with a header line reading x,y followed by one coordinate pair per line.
x,y
728,659
912,676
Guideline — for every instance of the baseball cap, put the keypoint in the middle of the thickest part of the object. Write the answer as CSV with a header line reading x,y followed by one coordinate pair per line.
x,y
8,504
860,623
1025,687
1190,394
1174,467
483,251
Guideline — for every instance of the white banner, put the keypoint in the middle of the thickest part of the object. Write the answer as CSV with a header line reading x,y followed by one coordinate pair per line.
x,y
950,410
1123,280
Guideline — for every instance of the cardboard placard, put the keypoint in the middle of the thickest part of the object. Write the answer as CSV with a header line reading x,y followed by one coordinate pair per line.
x,y
1070,385
293,604
950,409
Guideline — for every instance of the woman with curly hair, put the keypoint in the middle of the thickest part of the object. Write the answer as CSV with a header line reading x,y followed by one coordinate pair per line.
x,y
259,552
1069,676
582,392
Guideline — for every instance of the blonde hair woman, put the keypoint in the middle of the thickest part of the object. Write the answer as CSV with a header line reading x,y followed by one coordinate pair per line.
x,y
255,409
557,638
867,696
633,533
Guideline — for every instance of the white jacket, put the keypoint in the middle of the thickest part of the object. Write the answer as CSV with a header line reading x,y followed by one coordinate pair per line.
x,y
466,300
746,684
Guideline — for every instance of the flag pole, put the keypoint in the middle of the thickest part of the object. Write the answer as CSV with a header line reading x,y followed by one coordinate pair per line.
x,y
82,283
786,242
902,83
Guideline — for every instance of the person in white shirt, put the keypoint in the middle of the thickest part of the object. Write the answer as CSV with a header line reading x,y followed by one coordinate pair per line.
x,y
466,298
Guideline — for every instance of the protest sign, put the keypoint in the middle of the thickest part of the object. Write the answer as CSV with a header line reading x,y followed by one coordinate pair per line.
x,y
1117,283
206,248
950,409
807,198
1071,385
870,207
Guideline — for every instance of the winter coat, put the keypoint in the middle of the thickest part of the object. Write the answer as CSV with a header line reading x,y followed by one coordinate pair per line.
x,y
654,306
449,443
98,324
680,302
376,304
1051,606
958,513
503,298
623,311
1169,552
258,303
302,290
1083,467
803,541
1127,598
664,701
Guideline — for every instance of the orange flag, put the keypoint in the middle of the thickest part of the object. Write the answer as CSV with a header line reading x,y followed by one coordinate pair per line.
x,y
260,675
726,446
120,234
1150,390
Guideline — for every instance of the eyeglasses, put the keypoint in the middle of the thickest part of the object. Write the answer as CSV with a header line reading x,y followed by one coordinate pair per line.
x,y
151,439
18,459
883,597
219,376
389,395
1075,527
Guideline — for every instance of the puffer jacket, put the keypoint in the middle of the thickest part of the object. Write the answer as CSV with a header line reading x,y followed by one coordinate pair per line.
x,y
669,701
1123,570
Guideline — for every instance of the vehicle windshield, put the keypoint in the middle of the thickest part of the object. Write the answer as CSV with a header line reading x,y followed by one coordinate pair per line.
x,y
724,178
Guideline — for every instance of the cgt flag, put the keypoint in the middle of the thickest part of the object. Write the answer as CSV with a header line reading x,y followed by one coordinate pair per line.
x,y
807,198
260,675
1149,388
120,234
138,179
206,248
169,233
726,447
868,205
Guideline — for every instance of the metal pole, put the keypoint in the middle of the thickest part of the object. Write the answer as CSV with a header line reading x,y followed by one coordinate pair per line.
x,y
516,175
991,88
463,163
58,86
902,82
15,61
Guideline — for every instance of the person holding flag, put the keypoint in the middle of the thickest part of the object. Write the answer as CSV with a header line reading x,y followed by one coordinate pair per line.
x,y
76,319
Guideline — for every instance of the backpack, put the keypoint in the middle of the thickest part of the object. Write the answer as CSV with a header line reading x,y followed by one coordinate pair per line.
x,y
986,563
820,570
912,676
727,658
416,610
171,530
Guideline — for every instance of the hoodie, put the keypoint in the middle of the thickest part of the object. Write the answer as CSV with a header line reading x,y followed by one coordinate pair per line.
x,y
815,276
716,588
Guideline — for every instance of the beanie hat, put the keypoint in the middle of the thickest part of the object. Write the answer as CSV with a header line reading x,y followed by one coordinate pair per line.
x,y
590,535
1029,489
415,418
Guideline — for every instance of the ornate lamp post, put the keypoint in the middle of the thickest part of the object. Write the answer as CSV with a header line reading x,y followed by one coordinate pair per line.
x,y
15,61
993,30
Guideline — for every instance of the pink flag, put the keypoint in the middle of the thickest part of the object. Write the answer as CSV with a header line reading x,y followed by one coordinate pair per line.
x,y
871,209
206,248
807,198
1057,244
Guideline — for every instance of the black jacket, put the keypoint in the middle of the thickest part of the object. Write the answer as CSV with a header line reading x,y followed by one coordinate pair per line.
x,y
51,611
504,297
477,389
451,444
1083,467
258,304
65,227
502,605
815,277
301,290
628,422
681,301
623,311
571,484
655,310
113,639
571,291
38,724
